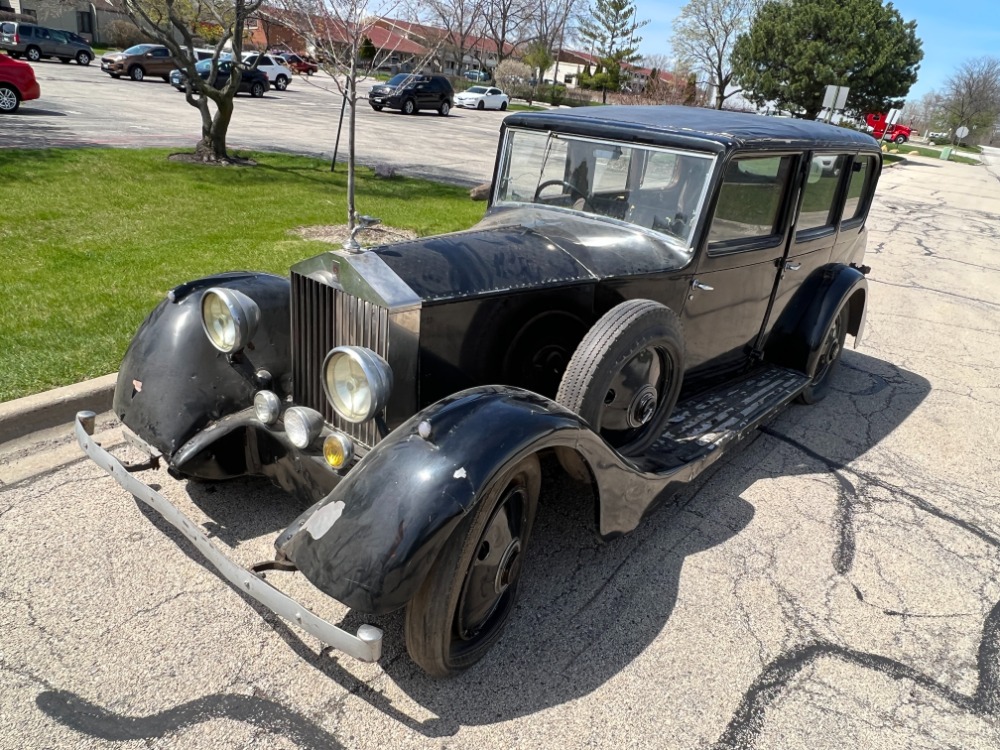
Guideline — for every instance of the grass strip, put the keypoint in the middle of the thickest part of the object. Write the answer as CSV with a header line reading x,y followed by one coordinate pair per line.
x,y
92,239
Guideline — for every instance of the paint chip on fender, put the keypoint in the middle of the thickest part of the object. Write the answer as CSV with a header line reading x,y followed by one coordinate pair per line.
x,y
321,521
459,473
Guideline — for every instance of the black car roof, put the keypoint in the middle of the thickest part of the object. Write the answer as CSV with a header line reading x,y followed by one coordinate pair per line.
x,y
725,130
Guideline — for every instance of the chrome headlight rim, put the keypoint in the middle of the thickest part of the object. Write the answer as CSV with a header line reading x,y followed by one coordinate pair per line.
x,y
377,374
243,316
302,426
267,406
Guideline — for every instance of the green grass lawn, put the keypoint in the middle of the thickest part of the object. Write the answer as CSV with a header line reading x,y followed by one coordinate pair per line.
x,y
934,153
92,239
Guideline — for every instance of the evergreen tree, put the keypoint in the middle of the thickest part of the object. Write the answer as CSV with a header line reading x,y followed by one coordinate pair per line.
x,y
611,31
796,47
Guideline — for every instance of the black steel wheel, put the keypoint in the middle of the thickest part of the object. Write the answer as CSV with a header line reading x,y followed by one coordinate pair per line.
x,y
625,376
409,107
83,58
464,604
829,358
136,73
33,53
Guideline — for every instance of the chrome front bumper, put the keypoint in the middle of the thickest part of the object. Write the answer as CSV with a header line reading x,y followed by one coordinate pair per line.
x,y
365,646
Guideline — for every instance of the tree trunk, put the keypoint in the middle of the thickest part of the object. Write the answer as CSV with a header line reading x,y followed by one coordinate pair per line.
x,y
212,146
352,96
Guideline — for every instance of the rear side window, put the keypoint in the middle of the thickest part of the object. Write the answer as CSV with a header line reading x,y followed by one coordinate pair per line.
x,y
750,200
862,174
819,196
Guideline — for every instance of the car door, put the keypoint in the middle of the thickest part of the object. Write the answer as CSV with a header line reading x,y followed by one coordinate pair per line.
x,y
426,97
59,44
492,98
817,219
160,62
739,262
44,42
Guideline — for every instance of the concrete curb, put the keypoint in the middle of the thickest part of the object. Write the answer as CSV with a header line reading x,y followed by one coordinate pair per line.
x,y
26,415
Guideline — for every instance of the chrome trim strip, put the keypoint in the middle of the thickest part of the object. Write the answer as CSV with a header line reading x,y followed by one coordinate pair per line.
x,y
365,646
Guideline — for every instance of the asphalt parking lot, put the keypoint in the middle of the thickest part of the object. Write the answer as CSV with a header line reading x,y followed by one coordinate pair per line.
x,y
84,106
833,583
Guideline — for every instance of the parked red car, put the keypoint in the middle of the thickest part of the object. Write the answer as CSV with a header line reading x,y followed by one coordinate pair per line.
x,y
17,84
299,64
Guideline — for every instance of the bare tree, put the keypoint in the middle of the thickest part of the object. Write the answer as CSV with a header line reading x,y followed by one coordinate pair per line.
x,y
166,21
705,32
506,23
460,19
925,114
336,30
972,96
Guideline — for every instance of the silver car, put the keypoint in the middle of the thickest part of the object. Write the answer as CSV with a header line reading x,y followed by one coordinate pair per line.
x,y
37,42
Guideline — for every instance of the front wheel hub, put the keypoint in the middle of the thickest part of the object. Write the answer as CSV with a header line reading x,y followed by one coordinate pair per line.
x,y
643,407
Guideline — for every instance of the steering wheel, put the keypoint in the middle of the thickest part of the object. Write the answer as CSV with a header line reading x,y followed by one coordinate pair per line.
x,y
573,189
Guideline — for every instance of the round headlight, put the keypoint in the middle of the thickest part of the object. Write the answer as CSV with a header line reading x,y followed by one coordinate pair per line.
x,y
229,318
302,425
267,406
338,450
357,382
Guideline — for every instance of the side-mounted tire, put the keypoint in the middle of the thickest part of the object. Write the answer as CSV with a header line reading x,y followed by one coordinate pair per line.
x,y
625,376
831,348
462,608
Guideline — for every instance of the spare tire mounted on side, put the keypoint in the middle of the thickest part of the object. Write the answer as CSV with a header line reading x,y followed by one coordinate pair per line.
x,y
625,376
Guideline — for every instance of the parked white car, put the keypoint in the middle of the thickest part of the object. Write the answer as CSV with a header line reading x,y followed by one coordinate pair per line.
x,y
278,74
482,97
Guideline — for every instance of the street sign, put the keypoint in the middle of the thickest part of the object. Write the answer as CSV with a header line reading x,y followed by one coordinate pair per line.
x,y
835,97
962,132
893,117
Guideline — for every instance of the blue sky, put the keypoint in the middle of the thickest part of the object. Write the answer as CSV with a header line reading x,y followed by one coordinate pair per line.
x,y
951,33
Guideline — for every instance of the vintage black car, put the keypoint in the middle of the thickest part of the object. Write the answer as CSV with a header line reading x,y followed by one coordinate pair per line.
x,y
649,284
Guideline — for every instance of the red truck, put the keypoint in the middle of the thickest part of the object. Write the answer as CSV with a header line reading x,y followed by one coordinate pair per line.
x,y
898,133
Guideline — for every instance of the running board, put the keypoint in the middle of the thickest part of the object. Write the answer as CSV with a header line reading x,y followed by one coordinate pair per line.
x,y
713,420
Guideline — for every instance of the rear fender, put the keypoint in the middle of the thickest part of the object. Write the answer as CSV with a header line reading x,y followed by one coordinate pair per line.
x,y
173,382
796,339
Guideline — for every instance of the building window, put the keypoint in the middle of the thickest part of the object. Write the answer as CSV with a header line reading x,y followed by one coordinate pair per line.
x,y
84,22
251,23
29,12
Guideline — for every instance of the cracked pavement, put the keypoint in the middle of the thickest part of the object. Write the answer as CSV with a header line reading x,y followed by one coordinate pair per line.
x,y
833,582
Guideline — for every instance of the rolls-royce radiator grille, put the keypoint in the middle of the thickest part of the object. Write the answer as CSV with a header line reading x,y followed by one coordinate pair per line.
x,y
324,317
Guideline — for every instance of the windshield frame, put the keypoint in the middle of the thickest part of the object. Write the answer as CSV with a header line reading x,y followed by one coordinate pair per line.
x,y
699,206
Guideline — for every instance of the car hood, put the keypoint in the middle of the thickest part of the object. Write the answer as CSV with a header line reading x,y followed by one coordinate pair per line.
x,y
527,248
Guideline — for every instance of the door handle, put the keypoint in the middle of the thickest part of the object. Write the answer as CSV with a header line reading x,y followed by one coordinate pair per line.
x,y
704,287
790,266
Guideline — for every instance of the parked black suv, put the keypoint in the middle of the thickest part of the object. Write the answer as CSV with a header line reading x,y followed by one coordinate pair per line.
x,y
37,42
411,92
648,287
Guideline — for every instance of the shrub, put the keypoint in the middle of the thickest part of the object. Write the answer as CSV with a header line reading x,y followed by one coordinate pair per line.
x,y
124,34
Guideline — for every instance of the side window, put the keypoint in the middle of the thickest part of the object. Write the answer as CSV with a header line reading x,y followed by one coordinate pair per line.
x,y
862,173
58,36
819,195
163,52
750,200
266,61
41,33
662,171
611,166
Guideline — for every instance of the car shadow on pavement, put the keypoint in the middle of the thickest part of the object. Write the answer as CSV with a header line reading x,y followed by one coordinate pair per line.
x,y
33,112
587,608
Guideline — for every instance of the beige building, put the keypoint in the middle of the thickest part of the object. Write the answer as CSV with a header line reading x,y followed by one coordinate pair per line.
x,y
88,19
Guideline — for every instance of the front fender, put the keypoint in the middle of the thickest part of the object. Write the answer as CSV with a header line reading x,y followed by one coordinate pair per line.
x,y
372,540
795,341
173,382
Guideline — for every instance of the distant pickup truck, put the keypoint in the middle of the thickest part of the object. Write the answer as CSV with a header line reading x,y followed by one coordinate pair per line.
x,y
900,134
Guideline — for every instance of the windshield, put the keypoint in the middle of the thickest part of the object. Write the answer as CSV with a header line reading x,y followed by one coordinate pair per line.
x,y
653,188
477,90
139,49
399,79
